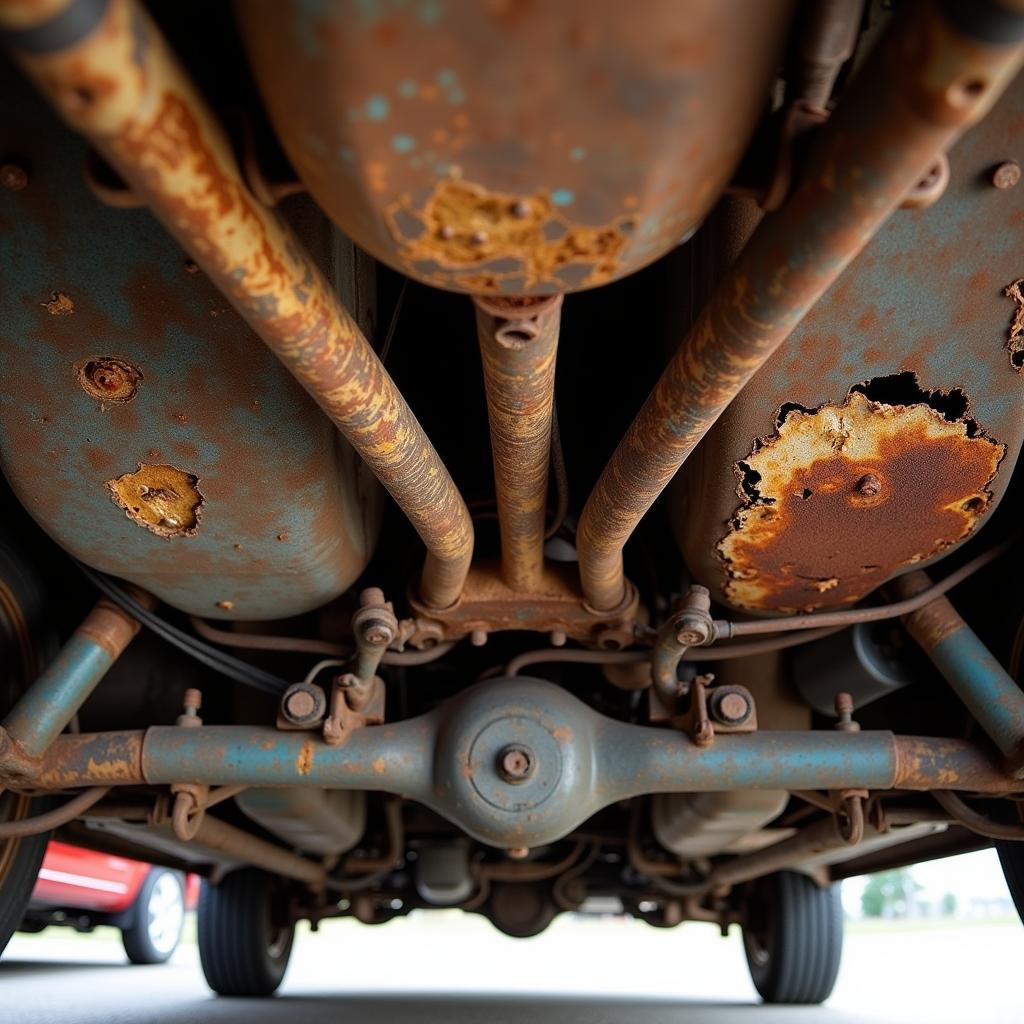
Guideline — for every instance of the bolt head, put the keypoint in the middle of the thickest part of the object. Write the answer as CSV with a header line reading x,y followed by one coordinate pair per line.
x,y
1006,175
13,177
516,764
869,486
732,708
300,704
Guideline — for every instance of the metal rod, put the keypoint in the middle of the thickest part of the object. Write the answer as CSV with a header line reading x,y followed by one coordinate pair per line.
x,y
113,78
400,759
55,818
988,691
55,697
923,86
518,345
248,849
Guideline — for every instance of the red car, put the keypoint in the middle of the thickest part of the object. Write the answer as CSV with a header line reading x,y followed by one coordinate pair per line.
x,y
82,889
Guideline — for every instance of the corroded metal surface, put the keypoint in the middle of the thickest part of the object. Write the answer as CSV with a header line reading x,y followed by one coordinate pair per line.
x,y
154,367
55,697
988,691
515,148
518,345
920,320
121,87
895,484
908,105
452,760
553,604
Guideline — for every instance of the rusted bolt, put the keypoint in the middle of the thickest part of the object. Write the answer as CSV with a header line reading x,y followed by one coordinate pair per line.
x,y
691,631
1006,175
303,704
844,712
558,638
730,707
13,177
377,632
516,764
868,486
193,701
478,637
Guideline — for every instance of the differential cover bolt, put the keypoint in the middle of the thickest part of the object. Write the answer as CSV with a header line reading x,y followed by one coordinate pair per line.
x,y
515,764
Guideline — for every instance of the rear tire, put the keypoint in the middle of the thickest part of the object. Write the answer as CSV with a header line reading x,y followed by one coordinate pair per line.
x,y
245,933
20,860
1011,859
158,917
793,938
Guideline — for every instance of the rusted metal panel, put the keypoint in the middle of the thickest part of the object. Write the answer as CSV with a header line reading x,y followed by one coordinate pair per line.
x,y
119,85
921,88
151,367
777,511
518,345
515,148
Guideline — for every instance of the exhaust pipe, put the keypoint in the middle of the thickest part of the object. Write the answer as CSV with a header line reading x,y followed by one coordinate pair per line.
x,y
518,344
109,73
939,70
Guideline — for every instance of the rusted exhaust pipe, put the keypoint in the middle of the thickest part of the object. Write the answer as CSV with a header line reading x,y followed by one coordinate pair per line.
x,y
108,71
518,344
924,85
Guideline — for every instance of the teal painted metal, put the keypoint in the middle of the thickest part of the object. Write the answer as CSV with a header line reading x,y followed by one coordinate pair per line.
x,y
986,688
449,759
42,713
289,515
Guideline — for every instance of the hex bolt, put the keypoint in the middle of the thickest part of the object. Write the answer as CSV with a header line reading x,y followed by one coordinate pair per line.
x,y
1006,175
731,707
516,764
303,704
869,486
13,177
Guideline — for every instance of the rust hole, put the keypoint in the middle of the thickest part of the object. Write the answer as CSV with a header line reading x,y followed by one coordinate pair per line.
x,y
162,499
59,304
895,469
108,378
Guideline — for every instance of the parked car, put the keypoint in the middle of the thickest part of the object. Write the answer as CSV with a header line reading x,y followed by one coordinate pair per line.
x,y
81,889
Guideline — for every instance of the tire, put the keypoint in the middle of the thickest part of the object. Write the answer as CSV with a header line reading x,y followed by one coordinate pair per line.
x,y
157,918
245,933
1011,859
793,938
20,860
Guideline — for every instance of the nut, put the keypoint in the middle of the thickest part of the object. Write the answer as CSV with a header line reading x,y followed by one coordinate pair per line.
x,y
303,704
731,708
516,764
1006,175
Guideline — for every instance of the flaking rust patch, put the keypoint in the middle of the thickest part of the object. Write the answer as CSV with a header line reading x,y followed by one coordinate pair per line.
x,y
162,499
841,496
498,236
60,304
1015,343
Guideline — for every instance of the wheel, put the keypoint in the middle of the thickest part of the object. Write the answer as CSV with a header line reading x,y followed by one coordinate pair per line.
x,y
793,938
157,918
1011,859
245,933
19,866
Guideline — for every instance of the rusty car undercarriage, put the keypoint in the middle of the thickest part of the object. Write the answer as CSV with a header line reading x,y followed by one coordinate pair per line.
x,y
291,292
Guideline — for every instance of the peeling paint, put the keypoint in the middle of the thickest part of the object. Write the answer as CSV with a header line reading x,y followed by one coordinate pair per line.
x,y
162,499
1015,343
502,236
60,304
842,496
